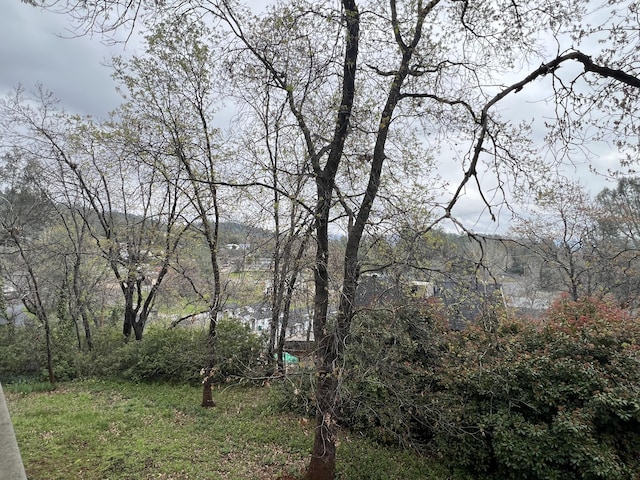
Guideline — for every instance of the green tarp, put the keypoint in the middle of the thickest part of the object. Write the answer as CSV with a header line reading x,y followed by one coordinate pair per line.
x,y
288,358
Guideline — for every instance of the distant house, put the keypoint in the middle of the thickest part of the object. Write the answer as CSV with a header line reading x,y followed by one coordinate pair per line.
x,y
15,309
10,293
527,301
242,247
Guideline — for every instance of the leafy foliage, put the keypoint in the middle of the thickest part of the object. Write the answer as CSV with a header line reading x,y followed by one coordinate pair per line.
x,y
550,400
238,350
556,401
179,355
21,352
163,355
390,362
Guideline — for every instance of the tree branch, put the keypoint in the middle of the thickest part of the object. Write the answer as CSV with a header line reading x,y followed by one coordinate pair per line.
x,y
543,70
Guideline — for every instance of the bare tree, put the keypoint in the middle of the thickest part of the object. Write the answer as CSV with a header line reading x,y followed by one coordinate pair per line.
x,y
82,270
25,256
171,98
134,218
275,162
618,220
69,278
561,232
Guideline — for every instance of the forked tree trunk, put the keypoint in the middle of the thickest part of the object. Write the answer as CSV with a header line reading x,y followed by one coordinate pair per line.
x,y
323,458
331,344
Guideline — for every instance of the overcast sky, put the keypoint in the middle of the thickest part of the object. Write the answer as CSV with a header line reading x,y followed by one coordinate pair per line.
x,y
73,69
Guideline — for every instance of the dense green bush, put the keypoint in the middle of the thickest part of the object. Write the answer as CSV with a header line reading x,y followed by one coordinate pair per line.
x,y
390,362
559,400
295,392
22,352
178,354
238,351
162,355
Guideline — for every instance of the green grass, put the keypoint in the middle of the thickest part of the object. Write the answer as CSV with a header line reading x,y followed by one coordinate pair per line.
x,y
106,430
29,387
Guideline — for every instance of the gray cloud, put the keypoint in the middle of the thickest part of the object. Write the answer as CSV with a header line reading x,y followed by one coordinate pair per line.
x,y
72,68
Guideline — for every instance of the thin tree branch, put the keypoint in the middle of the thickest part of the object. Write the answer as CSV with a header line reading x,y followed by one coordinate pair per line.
x,y
543,70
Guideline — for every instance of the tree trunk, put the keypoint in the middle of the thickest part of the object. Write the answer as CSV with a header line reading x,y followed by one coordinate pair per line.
x,y
129,313
87,331
276,286
331,344
47,331
207,382
323,458
138,328
329,352
76,329
80,310
273,355
207,390
283,336
135,318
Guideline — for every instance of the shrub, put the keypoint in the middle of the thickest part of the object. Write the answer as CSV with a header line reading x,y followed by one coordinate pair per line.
x,y
178,355
295,392
107,359
175,355
238,350
556,401
389,368
21,352
390,362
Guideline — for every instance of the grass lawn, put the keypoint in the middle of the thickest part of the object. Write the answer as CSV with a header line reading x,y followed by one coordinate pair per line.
x,y
108,430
